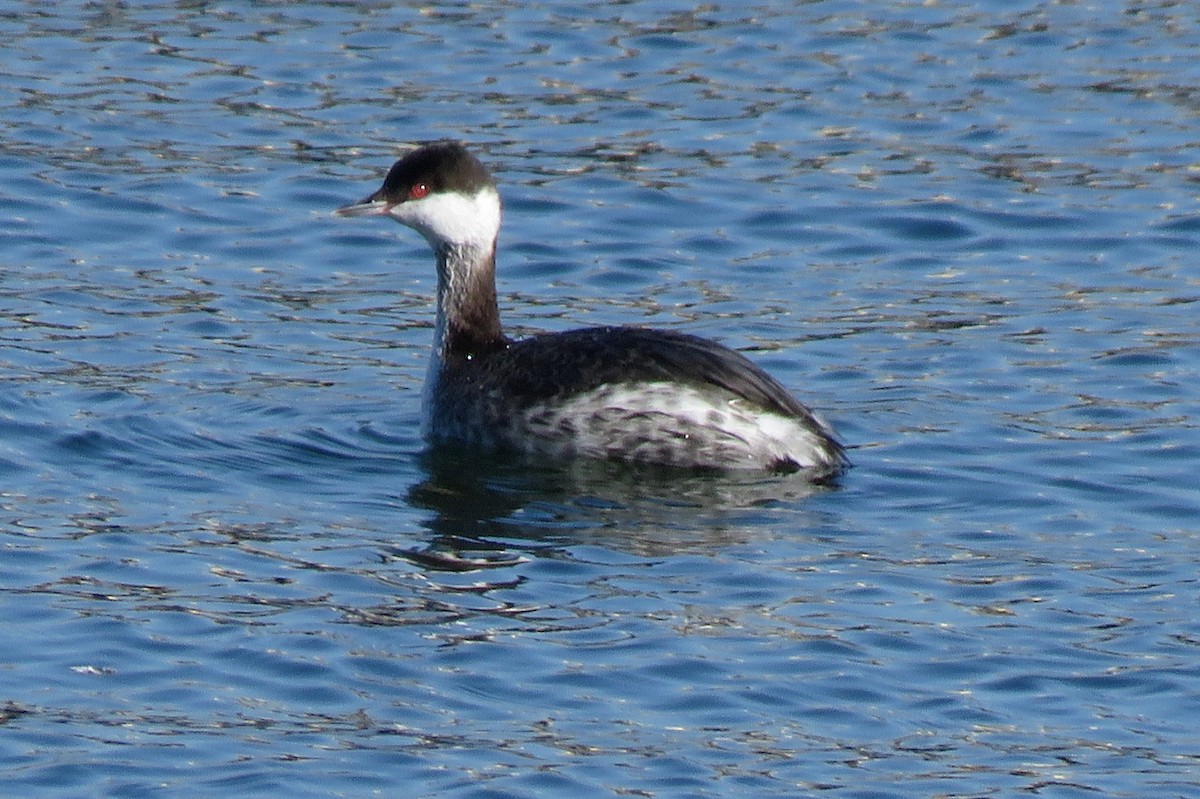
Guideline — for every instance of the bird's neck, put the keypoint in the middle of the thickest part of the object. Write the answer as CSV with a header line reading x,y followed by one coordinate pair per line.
x,y
468,316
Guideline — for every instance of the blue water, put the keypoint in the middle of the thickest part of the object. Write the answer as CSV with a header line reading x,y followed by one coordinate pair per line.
x,y
966,232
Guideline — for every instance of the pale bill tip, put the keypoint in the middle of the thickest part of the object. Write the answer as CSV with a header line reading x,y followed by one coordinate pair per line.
x,y
364,208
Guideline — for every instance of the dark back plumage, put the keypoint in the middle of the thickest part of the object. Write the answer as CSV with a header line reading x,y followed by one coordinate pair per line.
x,y
554,365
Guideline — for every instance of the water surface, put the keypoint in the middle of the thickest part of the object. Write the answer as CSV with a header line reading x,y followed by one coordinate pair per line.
x,y
963,231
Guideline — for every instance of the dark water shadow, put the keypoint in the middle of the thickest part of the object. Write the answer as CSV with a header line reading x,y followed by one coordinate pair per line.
x,y
482,507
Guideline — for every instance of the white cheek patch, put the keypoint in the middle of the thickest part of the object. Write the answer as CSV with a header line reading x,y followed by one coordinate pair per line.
x,y
453,218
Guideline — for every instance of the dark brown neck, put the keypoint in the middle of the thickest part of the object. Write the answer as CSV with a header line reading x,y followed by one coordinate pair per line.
x,y
468,314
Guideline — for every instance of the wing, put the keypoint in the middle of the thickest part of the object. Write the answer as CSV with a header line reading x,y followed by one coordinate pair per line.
x,y
556,365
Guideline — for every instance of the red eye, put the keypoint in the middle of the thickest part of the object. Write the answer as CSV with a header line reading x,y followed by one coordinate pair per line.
x,y
418,191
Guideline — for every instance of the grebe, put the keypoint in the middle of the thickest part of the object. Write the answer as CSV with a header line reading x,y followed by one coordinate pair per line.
x,y
625,393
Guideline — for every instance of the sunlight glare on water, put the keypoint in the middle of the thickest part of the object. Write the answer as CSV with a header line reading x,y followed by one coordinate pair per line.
x,y
964,232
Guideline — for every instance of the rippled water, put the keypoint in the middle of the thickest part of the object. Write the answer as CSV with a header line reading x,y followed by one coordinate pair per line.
x,y
964,231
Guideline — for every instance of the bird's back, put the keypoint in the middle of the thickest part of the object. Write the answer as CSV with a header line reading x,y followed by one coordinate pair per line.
x,y
628,393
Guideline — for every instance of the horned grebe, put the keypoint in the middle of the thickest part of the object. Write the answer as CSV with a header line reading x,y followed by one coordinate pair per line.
x,y
626,393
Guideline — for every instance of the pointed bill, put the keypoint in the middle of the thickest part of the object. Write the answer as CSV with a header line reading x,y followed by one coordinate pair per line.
x,y
369,206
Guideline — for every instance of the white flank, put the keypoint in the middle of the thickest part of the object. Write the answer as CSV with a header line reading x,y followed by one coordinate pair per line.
x,y
643,422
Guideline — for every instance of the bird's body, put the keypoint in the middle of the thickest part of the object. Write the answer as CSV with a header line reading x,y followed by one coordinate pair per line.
x,y
624,393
